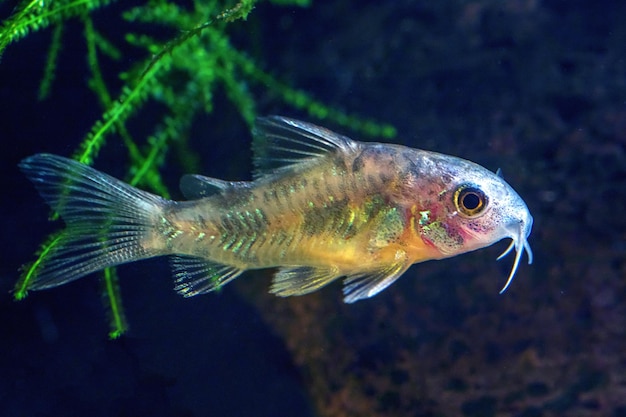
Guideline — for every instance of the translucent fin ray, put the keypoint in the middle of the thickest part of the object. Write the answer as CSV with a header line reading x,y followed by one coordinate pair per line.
x,y
301,280
365,285
194,276
195,187
107,220
279,142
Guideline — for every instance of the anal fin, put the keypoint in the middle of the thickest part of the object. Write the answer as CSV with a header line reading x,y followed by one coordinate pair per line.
x,y
301,280
193,276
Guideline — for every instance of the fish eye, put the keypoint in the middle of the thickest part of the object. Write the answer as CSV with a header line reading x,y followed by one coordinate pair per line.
x,y
470,200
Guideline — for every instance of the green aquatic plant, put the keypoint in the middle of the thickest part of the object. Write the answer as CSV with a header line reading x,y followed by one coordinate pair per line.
x,y
180,73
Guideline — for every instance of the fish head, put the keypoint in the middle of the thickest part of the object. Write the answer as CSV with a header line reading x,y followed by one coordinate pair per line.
x,y
474,208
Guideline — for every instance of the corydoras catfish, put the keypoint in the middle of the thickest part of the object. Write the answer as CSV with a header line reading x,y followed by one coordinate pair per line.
x,y
321,207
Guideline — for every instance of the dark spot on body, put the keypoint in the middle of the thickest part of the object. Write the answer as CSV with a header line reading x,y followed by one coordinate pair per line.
x,y
272,196
202,221
408,159
384,177
238,196
373,153
358,163
340,162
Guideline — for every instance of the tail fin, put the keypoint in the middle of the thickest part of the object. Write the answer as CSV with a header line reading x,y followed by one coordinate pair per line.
x,y
108,221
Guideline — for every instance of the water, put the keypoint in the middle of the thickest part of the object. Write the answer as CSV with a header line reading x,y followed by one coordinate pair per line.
x,y
536,89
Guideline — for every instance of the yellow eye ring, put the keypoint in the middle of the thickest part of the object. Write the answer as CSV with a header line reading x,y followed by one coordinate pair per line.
x,y
469,200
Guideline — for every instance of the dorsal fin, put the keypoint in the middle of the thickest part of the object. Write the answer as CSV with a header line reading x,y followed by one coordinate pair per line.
x,y
196,186
280,142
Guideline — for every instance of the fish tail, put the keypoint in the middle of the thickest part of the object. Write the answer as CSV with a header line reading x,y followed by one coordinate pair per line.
x,y
108,221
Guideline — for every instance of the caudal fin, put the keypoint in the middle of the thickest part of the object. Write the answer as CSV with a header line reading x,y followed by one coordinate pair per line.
x,y
108,221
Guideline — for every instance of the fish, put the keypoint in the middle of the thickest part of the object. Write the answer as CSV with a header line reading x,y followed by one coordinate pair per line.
x,y
320,207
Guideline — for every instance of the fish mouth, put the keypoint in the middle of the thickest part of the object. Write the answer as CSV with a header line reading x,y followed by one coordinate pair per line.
x,y
519,234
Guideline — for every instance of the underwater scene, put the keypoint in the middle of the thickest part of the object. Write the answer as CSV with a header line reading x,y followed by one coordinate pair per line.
x,y
267,209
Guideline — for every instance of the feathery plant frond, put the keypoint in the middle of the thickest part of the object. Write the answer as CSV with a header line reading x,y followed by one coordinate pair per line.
x,y
180,74
33,15
29,270
51,62
112,299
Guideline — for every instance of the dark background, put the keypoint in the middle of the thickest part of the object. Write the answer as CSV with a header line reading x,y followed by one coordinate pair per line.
x,y
537,88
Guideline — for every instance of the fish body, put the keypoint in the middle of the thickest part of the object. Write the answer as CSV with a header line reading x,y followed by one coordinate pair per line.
x,y
321,207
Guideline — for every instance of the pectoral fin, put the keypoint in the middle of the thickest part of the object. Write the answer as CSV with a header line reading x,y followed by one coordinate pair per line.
x,y
302,280
305,279
368,284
